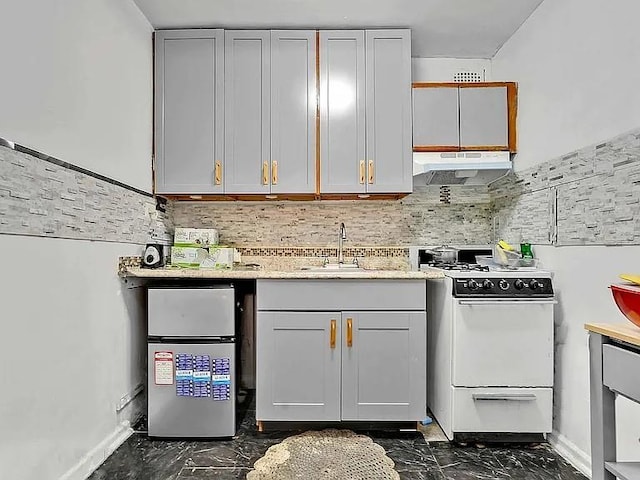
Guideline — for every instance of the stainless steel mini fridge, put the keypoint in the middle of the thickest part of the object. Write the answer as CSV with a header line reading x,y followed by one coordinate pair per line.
x,y
191,362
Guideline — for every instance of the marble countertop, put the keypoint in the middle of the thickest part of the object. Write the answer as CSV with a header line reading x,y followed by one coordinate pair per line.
x,y
276,274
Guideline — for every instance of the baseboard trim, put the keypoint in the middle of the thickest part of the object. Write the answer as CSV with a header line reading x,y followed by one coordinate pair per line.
x,y
570,452
92,460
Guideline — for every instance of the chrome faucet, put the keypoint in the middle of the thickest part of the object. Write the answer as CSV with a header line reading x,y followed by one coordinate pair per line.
x,y
342,236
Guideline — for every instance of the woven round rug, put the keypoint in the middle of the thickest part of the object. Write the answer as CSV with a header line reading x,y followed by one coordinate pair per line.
x,y
325,455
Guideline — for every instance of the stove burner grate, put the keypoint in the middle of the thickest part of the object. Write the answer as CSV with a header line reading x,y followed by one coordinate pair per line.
x,y
461,266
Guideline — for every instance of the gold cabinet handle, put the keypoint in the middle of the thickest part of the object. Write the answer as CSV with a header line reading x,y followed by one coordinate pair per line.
x,y
362,171
265,173
274,172
218,173
370,171
332,339
349,332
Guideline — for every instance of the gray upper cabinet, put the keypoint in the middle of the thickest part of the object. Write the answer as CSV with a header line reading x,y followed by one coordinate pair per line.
x,y
293,111
189,111
240,112
383,366
365,111
484,117
464,116
342,111
298,366
247,111
388,67
436,117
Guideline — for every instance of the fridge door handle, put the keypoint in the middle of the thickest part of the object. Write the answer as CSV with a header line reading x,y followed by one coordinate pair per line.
x,y
154,339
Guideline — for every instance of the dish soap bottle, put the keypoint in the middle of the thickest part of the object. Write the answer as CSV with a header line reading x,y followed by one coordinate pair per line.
x,y
527,254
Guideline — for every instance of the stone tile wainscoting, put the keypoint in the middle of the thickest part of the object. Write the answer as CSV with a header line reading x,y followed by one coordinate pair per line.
x,y
43,196
419,218
587,197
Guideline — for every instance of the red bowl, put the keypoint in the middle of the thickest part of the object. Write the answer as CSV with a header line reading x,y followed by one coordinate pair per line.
x,y
627,298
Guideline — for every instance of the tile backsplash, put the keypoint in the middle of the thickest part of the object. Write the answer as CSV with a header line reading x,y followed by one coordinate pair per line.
x,y
419,218
39,197
587,197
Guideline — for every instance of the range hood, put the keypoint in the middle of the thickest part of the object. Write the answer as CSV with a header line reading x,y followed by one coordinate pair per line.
x,y
460,168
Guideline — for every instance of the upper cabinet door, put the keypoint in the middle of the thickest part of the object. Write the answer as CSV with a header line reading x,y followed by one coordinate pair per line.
x,y
293,111
342,112
435,119
389,157
247,114
189,110
484,118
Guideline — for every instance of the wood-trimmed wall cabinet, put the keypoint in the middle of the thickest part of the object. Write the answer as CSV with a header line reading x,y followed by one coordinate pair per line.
x,y
454,117
365,111
299,114
189,111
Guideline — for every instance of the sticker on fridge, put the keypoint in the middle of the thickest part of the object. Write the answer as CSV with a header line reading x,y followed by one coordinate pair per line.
x,y
221,379
163,368
184,375
193,375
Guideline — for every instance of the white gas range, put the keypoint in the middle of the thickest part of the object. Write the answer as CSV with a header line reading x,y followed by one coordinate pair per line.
x,y
490,350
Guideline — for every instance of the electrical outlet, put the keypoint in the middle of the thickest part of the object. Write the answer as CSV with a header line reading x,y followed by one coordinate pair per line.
x,y
151,211
128,398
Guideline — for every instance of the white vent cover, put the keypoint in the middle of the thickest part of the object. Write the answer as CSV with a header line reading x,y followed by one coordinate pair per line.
x,y
466,77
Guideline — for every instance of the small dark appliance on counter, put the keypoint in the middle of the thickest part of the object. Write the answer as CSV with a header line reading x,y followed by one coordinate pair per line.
x,y
153,256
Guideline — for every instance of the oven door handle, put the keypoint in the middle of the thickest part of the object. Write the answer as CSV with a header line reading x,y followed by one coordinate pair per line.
x,y
507,302
506,397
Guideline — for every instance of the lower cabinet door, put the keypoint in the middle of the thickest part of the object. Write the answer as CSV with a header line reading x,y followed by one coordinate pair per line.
x,y
298,366
384,366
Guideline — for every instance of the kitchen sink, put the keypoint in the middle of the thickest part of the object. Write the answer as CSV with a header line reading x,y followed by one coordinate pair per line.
x,y
337,269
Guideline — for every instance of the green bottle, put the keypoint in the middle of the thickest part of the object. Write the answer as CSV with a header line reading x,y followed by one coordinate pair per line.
x,y
525,250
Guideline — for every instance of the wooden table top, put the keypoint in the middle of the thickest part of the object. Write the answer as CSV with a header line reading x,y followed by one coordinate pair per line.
x,y
626,332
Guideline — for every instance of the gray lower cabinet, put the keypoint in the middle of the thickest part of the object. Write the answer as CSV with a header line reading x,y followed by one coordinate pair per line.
x,y
335,362
189,111
383,366
298,366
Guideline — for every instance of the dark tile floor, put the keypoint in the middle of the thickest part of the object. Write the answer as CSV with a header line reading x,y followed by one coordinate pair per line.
x,y
140,458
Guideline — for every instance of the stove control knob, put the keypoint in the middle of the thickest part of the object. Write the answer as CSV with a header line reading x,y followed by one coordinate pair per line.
x,y
534,284
487,284
519,284
473,285
504,285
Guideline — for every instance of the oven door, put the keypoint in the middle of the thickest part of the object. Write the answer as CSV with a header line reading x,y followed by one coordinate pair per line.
x,y
503,343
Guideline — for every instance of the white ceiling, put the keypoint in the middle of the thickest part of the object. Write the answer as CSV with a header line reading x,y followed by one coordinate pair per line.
x,y
440,28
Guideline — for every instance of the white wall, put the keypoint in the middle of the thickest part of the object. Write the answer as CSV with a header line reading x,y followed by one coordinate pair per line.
x,y
578,74
443,69
71,337
76,84
577,66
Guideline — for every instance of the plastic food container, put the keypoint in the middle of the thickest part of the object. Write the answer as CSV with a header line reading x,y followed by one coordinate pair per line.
x,y
627,298
506,258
